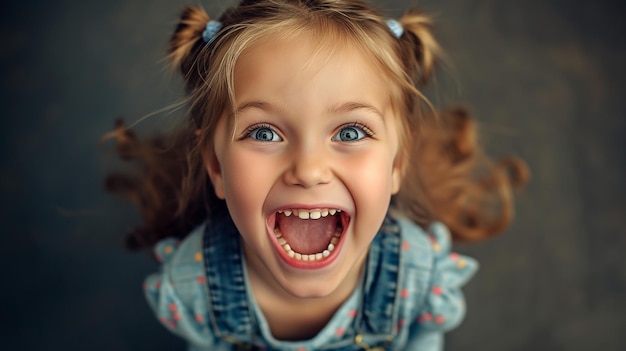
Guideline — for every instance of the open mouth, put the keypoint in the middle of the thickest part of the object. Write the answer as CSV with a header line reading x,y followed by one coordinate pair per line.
x,y
309,235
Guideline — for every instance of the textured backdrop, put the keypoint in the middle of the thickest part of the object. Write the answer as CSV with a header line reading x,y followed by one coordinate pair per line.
x,y
545,78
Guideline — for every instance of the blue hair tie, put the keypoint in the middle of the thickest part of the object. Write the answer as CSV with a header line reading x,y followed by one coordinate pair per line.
x,y
395,27
214,26
211,29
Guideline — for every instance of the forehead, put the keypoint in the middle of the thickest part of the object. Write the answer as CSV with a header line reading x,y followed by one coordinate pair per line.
x,y
324,70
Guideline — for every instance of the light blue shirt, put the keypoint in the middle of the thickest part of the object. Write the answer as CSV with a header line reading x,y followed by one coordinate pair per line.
x,y
409,296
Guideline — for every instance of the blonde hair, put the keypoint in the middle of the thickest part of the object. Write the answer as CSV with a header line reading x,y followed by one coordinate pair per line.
x,y
436,184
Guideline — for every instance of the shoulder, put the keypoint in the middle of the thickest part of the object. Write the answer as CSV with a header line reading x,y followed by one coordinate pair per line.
x,y
416,245
436,272
185,254
177,293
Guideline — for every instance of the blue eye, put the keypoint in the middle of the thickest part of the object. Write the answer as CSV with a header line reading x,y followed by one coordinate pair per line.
x,y
354,132
265,134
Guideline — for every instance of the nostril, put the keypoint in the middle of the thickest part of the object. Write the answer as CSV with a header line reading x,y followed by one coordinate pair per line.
x,y
309,169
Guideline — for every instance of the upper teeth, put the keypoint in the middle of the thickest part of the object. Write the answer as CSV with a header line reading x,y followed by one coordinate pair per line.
x,y
310,214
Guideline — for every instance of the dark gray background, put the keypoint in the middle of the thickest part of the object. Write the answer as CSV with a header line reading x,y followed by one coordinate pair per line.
x,y
545,78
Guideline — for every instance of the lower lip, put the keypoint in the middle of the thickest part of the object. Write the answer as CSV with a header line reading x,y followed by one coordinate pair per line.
x,y
308,265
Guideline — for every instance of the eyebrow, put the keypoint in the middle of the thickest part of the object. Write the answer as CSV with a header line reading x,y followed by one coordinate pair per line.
x,y
254,104
340,108
352,106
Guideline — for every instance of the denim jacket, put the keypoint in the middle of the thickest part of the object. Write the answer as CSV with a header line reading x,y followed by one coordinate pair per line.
x,y
409,295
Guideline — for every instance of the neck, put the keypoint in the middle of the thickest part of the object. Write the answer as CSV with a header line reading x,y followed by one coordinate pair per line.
x,y
293,317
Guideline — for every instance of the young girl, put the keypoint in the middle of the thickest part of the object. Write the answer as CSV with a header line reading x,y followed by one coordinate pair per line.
x,y
307,201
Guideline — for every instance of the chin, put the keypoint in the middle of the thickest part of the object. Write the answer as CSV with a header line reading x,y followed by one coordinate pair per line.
x,y
312,289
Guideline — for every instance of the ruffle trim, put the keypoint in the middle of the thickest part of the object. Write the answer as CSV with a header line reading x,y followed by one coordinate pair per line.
x,y
444,307
165,292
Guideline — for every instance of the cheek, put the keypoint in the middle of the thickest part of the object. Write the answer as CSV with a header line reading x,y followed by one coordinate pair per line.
x,y
245,184
374,179
370,186
371,177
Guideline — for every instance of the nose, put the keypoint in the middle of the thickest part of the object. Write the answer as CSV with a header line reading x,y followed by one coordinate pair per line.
x,y
308,167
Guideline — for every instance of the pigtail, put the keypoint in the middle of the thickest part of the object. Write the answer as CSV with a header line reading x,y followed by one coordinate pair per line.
x,y
448,177
168,185
422,47
187,42
456,182
161,168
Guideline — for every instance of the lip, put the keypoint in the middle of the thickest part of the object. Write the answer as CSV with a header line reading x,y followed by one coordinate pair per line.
x,y
308,265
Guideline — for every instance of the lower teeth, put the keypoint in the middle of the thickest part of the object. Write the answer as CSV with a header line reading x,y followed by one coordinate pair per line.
x,y
304,257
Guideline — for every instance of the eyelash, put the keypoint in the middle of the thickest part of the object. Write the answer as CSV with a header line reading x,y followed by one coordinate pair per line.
x,y
247,133
367,130
361,130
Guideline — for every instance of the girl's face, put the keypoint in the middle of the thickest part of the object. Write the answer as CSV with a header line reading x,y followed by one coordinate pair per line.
x,y
307,164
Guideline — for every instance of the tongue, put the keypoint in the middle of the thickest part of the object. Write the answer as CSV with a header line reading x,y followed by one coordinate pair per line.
x,y
307,236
